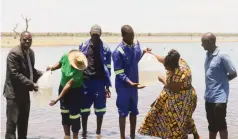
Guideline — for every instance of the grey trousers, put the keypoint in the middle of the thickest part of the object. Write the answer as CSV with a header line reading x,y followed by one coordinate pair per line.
x,y
17,118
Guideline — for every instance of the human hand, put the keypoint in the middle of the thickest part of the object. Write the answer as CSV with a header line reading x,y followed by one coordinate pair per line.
x,y
108,93
35,87
141,86
48,68
53,102
147,50
134,84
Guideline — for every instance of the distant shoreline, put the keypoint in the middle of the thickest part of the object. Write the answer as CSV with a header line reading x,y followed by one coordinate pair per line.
x,y
111,34
54,41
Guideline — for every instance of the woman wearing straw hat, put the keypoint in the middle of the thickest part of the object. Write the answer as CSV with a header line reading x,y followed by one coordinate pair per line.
x,y
70,90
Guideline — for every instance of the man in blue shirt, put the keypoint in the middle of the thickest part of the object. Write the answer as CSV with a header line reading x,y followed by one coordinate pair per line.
x,y
219,70
126,57
96,78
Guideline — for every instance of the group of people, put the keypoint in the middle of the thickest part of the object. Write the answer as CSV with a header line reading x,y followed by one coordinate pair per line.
x,y
86,80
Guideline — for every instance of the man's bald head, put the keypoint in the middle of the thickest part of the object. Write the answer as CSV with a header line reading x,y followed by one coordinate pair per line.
x,y
127,34
209,37
125,29
209,41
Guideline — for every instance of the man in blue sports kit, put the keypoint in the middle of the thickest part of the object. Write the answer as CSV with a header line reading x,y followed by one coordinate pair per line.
x,y
96,78
126,58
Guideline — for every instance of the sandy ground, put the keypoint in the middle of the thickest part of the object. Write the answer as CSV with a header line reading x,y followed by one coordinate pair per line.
x,y
71,41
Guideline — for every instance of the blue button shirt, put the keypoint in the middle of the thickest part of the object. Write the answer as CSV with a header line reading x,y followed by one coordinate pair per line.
x,y
217,67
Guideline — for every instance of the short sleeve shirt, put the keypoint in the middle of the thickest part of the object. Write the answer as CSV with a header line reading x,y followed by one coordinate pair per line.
x,y
68,73
217,67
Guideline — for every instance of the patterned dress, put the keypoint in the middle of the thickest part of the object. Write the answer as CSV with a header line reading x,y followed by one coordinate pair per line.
x,y
171,115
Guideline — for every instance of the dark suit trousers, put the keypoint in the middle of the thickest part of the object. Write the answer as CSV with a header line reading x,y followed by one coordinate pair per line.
x,y
17,118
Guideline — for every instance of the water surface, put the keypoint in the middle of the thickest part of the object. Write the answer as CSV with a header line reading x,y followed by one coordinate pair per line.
x,y
46,122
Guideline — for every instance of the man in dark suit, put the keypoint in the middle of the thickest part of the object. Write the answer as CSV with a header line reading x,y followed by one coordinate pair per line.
x,y
20,79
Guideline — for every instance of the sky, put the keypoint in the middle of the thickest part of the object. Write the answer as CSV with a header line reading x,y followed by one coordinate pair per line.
x,y
143,15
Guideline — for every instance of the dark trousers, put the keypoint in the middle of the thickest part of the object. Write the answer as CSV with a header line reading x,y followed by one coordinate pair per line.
x,y
17,118
70,106
216,116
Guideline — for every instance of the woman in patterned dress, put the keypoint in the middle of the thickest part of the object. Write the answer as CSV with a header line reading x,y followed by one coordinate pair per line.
x,y
171,114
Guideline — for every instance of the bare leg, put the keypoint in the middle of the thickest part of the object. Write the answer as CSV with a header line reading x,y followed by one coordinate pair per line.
x,y
132,126
75,135
66,130
122,124
212,135
99,124
84,124
223,134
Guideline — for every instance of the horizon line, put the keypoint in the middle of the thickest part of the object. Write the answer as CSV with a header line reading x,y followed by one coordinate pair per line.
x,y
119,32
5,34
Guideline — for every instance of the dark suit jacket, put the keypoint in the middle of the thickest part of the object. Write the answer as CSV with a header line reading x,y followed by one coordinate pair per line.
x,y
17,83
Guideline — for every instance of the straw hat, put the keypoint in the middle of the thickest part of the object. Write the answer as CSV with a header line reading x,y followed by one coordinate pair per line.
x,y
78,60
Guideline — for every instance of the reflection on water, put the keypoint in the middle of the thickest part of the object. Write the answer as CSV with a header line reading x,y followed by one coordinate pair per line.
x,y
45,123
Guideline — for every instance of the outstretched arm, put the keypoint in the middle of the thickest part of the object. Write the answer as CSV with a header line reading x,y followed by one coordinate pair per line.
x,y
146,50
63,92
159,58
65,89
55,67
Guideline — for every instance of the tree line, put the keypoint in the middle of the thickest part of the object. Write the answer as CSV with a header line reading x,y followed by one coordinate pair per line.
x,y
15,34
